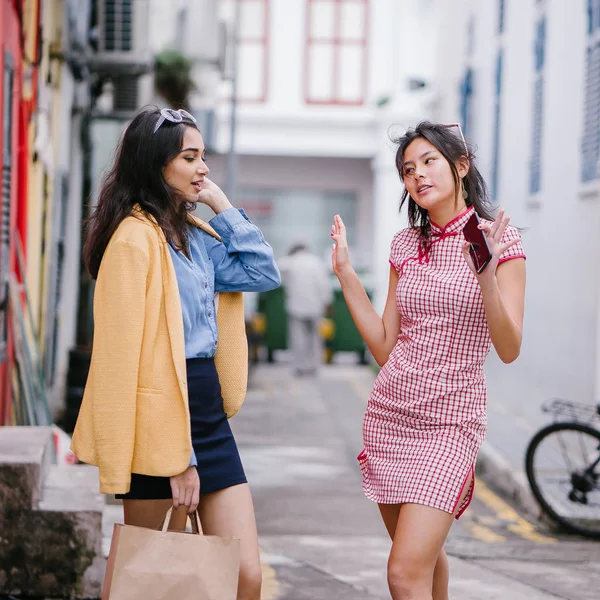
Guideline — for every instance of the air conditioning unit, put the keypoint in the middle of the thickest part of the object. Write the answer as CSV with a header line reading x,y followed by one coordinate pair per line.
x,y
121,36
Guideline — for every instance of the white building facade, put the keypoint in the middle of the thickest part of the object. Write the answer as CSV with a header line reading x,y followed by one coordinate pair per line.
x,y
321,85
523,76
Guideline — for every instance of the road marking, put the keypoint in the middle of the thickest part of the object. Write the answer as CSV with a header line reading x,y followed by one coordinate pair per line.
x,y
487,520
483,533
270,585
508,514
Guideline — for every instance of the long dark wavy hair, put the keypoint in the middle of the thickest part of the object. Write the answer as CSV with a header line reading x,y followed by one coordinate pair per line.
x,y
451,146
137,178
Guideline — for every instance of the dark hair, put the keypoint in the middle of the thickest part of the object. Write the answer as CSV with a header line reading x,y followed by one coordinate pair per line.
x,y
452,148
136,178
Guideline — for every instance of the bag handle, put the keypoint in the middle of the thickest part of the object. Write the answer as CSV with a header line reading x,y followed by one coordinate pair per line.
x,y
193,517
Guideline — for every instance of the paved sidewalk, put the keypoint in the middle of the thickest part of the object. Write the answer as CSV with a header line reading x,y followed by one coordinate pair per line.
x,y
323,540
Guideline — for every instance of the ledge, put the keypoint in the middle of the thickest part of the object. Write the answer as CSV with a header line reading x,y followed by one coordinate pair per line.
x,y
534,201
590,190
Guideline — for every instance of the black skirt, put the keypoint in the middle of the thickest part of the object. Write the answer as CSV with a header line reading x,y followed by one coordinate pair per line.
x,y
219,464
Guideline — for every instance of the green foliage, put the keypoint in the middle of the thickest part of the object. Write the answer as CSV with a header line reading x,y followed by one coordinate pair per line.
x,y
172,78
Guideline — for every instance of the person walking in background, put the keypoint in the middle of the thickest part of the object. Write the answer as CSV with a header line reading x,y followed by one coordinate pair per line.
x,y
426,416
307,293
153,418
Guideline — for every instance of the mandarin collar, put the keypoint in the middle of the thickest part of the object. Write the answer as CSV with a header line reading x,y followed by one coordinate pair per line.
x,y
455,225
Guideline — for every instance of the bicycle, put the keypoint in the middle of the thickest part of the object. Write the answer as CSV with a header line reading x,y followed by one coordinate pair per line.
x,y
562,463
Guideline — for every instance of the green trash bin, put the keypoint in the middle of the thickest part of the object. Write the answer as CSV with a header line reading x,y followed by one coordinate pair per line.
x,y
346,337
272,306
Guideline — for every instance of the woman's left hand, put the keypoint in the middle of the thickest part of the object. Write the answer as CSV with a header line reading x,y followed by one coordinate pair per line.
x,y
493,233
185,489
213,196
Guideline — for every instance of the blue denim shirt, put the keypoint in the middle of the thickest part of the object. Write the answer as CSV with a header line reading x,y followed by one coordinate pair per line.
x,y
242,262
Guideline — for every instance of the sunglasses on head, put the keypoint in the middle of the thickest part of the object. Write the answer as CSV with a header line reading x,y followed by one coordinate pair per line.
x,y
174,116
460,133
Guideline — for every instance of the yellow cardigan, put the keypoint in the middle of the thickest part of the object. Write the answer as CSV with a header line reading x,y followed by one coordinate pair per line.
x,y
134,416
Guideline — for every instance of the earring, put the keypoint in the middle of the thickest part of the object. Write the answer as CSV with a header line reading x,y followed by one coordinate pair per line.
x,y
465,194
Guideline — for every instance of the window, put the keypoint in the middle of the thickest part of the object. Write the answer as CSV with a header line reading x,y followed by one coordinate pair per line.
x,y
535,163
7,105
253,47
336,51
497,119
591,130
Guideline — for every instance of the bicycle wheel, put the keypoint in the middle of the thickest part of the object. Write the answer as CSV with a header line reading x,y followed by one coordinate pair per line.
x,y
563,468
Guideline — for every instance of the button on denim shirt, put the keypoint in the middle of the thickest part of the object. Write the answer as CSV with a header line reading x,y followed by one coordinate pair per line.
x,y
242,262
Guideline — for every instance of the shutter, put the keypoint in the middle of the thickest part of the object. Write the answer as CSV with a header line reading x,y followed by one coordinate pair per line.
x,y
535,164
7,93
497,116
591,131
466,95
55,278
536,142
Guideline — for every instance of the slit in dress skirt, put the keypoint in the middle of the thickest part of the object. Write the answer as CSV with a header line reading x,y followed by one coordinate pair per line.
x,y
467,499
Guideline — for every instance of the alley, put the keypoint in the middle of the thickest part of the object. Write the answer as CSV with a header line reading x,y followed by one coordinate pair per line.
x,y
322,540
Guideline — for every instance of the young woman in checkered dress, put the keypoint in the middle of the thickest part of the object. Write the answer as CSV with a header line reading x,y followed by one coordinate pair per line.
x,y
426,417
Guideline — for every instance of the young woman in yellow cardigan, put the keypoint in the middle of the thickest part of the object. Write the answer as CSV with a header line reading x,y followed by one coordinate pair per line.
x,y
169,360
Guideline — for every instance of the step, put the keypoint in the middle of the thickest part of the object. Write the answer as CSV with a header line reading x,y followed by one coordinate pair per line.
x,y
72,488
57,550
26,454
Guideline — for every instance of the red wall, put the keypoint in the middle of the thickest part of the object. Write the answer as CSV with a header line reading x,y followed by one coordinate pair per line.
x,y
10,28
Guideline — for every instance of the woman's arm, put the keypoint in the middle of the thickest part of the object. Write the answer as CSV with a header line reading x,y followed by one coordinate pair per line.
x,y
502,288
380,334
119,309
244,261
504,301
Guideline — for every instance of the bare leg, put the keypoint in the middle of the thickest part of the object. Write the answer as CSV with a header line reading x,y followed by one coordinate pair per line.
x,y
441,576
420,535
230,513
390,514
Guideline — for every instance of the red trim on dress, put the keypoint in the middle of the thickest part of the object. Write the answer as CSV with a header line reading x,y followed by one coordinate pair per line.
x,y
511,258
462,214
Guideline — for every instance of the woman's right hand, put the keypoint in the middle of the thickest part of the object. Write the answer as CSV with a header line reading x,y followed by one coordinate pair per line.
x,y
340,257
186,489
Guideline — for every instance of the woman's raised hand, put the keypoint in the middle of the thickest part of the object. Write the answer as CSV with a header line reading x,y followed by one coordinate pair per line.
x,y
340,257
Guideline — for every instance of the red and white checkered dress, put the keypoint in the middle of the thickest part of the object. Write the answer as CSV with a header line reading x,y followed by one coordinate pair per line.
x,y
426,416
